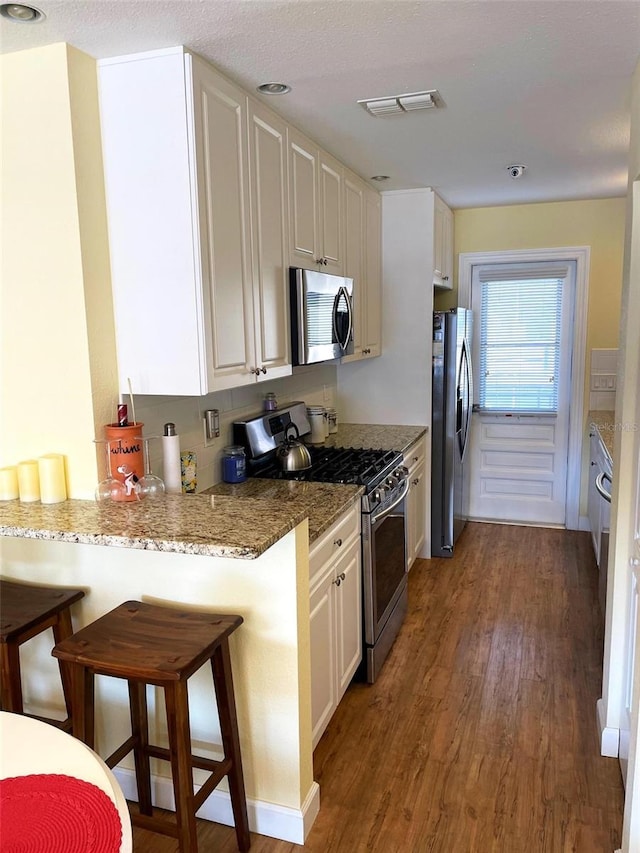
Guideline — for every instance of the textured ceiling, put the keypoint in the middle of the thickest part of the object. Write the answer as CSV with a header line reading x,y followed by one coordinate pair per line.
x,y
523,81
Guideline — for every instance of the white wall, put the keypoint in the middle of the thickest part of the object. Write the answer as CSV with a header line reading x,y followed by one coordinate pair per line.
x,y
396,387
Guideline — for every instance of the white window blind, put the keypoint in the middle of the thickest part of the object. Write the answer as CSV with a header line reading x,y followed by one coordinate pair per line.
x,y
520,328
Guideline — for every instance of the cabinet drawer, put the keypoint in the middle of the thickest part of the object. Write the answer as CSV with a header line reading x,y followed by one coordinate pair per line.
x,y
334,542
415,455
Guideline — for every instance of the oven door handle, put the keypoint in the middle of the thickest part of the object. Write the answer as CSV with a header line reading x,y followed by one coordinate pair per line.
x,y
379,516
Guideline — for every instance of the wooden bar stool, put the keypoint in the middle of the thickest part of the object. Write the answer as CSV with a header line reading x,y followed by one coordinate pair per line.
x,y
147,644
26,611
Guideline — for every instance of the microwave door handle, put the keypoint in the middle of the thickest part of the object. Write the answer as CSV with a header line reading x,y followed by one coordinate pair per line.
x,y
350,313
342,292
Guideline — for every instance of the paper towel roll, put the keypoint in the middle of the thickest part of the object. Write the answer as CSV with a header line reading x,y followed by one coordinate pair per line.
x,y
172,473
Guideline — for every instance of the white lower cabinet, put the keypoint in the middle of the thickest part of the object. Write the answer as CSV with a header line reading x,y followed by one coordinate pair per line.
x,y
414,460
335,606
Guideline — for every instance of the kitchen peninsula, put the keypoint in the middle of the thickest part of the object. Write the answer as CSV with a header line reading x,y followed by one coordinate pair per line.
x,y
236,549
230,555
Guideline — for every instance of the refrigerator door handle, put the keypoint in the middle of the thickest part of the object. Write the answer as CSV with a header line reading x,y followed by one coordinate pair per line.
x,y
466,365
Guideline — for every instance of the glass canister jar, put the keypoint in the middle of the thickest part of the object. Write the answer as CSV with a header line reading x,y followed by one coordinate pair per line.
x,y
332,421
270,402
234,464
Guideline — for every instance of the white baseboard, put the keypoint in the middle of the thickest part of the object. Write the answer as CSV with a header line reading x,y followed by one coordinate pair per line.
x,y
280,822
609,737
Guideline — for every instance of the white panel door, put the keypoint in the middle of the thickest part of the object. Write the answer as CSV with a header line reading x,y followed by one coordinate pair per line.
x,y
518,461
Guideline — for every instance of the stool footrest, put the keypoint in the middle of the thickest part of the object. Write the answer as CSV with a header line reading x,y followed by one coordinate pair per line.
x,y
155,824
117,756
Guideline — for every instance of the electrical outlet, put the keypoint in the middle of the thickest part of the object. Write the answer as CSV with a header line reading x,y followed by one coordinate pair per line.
x,y
211,424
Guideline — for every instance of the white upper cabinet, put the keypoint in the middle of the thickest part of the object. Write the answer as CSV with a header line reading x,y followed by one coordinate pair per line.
x,y
269,207
362,242
199,283
315,206
442,245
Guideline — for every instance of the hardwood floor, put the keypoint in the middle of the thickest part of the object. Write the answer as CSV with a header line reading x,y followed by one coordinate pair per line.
x,y
480,734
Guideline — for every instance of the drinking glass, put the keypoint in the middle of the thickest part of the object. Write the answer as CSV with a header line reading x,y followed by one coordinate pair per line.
x,y
149,485
109,488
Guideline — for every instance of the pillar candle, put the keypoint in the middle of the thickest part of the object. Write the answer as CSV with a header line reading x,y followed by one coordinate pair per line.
x,y
8,483
28,481
53,488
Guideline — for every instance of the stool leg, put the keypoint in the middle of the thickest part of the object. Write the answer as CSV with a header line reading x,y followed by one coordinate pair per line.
x,y
223,681
177,704
11,683
62,629
82,704
140,732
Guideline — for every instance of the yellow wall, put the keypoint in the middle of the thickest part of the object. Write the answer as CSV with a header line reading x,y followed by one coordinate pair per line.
x,y
598,223
58,376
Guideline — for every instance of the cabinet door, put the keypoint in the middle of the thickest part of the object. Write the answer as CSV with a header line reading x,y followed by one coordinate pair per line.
x,y
372,341
416,513
267,162
220,112
323,655
348,617
442,245
330,173
354,257
414,461
303,201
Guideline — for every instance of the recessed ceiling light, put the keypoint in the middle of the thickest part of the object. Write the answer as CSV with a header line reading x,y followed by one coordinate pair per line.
x,y
274,88
20,13
379,177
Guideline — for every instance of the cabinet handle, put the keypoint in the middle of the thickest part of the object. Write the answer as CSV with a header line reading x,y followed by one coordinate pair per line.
x,y
337,581
415,458
416,481
342,576
264,370
445,278
593,463
338,542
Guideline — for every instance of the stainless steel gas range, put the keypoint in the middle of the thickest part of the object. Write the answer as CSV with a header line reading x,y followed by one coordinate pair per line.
x,y
383,507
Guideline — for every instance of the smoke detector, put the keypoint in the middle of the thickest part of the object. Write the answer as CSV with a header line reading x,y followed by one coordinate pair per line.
x,y
516,171
399,104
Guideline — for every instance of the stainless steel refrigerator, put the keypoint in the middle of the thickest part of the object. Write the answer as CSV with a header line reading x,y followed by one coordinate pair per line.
x,y
450,427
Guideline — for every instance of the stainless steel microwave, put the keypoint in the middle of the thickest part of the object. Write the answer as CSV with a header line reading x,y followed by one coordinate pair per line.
x,y
321,316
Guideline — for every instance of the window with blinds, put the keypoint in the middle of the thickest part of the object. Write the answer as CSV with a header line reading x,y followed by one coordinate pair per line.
x,y
520,329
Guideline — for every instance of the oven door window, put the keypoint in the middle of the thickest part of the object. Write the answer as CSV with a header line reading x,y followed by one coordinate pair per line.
x,y
388,559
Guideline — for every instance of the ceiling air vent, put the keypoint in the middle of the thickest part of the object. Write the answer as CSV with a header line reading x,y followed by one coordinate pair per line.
x,y
399,104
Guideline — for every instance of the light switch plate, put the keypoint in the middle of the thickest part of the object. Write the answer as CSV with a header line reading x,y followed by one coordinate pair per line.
x,y
603,382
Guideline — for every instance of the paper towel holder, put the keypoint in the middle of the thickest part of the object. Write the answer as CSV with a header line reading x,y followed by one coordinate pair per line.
x,y
212,424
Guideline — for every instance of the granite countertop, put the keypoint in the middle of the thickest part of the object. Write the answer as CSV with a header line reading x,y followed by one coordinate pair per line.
x,y
604,422
379,436
240,520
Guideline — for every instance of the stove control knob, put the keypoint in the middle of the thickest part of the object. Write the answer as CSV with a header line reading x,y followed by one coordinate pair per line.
x,y
390,483
376,498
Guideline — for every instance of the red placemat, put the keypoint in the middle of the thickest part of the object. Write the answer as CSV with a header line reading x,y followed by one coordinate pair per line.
x,y
51,813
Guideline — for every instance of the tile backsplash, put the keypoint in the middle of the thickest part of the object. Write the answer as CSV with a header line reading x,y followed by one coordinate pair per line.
x,y
315,384
602,380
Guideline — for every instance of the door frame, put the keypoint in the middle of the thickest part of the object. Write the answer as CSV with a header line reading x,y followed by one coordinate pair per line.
x,y
581,255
